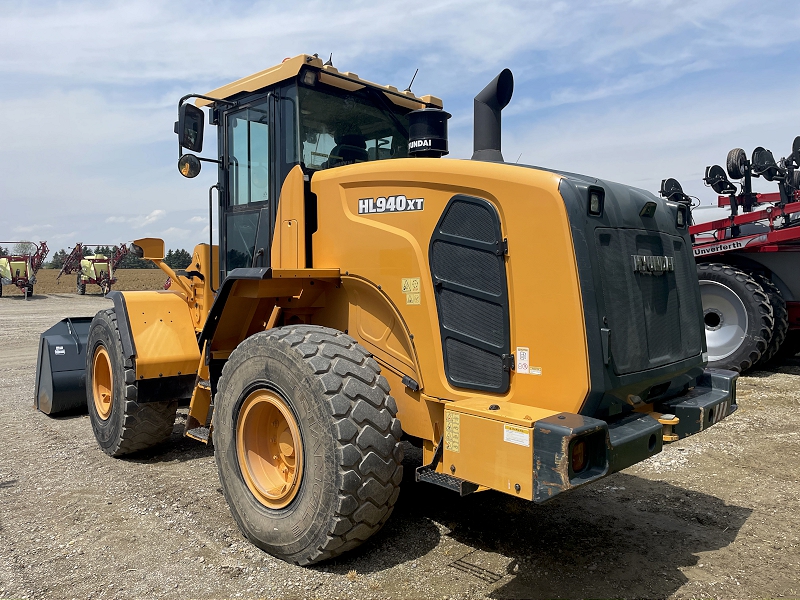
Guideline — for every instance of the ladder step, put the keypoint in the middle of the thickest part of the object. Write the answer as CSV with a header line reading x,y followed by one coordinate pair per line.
x,y
455,484
205,384
199,433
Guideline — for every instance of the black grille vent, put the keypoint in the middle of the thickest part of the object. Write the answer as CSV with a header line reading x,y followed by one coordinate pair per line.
x,y
468,270
653,318
471,222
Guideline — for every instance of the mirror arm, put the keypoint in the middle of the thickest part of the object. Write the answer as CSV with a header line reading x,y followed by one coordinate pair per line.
x,y
211,160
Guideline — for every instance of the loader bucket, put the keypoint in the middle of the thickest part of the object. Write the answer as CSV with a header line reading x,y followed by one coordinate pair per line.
x,y
61,367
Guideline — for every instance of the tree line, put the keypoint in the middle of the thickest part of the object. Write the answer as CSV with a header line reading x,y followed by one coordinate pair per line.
x,y
175,259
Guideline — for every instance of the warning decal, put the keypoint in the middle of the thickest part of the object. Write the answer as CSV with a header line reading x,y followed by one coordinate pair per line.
x,y
452,431
516,435
523,360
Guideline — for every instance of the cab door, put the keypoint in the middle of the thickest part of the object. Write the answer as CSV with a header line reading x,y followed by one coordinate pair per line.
x,y
249,202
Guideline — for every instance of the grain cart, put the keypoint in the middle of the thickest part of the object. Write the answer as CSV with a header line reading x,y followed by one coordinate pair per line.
x,y
747,250
366,290
20,268
94,269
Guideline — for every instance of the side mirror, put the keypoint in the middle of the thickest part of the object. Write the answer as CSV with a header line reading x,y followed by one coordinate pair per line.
x,y
189,165
190,127
148,248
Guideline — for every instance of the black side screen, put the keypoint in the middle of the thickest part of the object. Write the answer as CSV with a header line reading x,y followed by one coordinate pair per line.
x,y
469,275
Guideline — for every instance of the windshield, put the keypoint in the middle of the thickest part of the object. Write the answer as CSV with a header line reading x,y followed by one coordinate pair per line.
x,y
338,127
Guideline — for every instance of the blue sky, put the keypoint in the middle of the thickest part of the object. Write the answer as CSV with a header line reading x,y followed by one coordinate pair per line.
x,y
632,91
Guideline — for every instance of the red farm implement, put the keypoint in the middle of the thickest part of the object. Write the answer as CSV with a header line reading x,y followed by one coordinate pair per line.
x,y
747,250
95,268
20,266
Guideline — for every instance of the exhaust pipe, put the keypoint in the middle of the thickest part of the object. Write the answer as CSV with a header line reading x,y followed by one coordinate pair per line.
x,y
488,105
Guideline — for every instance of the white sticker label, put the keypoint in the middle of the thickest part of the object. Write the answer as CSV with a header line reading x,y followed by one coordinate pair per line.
x,y
523,360
516,435
60,350
536,370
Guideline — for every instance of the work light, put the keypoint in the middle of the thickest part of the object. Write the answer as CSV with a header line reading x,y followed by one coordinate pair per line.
x,y
595,203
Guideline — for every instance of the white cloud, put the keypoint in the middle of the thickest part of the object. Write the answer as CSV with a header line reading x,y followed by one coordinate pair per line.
x,y
138,221
175,233
642,144
198,220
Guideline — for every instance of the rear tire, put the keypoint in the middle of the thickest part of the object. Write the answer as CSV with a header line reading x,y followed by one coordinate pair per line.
x,y
737,316
780,317
121,421
80,286
338,409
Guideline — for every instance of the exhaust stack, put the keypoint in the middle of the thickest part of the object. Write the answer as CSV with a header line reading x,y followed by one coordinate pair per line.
x,y
488,105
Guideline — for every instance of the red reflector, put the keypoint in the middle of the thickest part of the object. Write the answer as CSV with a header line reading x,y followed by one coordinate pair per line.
x,y
578,457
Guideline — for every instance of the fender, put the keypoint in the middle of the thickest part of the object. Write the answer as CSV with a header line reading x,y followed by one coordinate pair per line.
x,y
157,332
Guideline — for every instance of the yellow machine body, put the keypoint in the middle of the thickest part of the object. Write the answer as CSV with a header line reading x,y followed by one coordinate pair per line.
x,y
368,273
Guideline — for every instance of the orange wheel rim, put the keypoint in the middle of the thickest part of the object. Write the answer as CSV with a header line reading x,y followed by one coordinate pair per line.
x,y
269,449
102,383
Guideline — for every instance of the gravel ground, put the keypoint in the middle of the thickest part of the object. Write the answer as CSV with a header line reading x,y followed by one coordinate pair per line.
x,y
713,516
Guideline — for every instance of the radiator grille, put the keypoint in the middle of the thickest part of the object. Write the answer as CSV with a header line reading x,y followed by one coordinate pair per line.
x,y
469,221
472,316
653,318
471,294
476,269
469,366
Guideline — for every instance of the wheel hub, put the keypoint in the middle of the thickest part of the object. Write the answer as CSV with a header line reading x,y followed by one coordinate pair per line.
x,y
725,319
102,383
269,448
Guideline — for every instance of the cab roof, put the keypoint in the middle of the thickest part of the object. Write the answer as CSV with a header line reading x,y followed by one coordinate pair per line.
x,y
328,74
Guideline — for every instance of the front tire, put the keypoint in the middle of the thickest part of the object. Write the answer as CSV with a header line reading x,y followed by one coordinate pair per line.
x,y
122,422
737,316
307,442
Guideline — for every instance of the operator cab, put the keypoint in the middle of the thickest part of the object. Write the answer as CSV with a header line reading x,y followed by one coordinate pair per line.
x,y
270,122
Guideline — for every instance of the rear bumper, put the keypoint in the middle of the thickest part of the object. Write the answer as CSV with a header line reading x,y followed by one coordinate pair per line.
x,y
615,446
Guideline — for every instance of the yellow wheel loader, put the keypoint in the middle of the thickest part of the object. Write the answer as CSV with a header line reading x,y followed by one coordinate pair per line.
x,y
531,330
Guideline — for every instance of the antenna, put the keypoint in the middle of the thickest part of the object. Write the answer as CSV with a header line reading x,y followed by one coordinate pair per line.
x,y
408,89
329,62
520,156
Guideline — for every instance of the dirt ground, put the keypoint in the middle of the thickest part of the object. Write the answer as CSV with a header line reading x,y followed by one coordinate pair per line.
x,y
127,279
713,516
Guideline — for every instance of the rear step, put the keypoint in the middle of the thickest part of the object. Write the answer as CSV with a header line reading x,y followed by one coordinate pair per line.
x,y
428,474
455,484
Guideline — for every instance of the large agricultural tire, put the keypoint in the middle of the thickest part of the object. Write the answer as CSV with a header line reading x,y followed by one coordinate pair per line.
x,y
80,286
780,317
122,423
737,316
307,442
